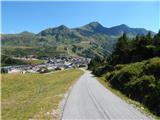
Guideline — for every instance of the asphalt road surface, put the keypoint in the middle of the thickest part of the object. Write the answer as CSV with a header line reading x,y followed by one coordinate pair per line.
x,y
88,99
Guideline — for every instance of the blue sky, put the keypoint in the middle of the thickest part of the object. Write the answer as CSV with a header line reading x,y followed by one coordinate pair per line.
x,y
35,16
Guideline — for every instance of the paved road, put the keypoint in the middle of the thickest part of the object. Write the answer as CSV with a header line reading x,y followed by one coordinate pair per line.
x,y
88,99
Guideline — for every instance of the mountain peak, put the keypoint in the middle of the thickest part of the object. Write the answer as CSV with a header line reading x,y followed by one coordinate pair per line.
x,y
62,27
26,33
52,31
95,24
123,26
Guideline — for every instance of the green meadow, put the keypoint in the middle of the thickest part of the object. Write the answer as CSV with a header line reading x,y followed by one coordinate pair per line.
x,y
34,96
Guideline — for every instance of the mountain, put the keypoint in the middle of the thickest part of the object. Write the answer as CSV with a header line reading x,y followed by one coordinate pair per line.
x,y
97,28
94,28
60,30
91,29
120,29
89,40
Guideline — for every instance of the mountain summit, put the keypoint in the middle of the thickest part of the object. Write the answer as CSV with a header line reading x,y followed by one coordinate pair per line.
x,y
62,29
91,29
94,25
120,29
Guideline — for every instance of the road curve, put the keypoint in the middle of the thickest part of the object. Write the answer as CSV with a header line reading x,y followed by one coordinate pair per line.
x,y
89,99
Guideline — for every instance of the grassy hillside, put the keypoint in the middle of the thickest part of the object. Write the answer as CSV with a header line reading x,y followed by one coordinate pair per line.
x,y
34,96
52,42
89,40
139,81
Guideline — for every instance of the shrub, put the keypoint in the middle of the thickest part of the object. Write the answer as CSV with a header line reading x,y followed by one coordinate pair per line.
x,y
119,66
153,67
3,70
102,69
124,75
139,81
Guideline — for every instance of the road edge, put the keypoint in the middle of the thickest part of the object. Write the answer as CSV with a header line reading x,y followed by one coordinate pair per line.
x,y
63,102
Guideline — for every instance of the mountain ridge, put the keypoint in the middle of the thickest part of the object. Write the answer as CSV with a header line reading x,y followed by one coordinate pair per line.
x,y
96,27
89,40
93,25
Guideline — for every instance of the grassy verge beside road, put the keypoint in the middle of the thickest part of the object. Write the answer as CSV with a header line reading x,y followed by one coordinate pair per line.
x,y
34,96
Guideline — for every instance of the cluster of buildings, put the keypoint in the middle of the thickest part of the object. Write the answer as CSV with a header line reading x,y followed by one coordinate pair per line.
x,y
51,64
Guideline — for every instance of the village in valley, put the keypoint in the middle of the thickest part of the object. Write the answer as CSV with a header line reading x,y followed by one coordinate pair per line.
x,y
49,65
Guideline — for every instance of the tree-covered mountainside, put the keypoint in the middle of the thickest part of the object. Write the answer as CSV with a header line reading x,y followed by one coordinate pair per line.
x,y
89,40
137,49
134,69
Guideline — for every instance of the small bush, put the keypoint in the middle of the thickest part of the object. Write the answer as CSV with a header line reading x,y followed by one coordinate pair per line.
x,y
3,70
119,66
153,67
103,69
